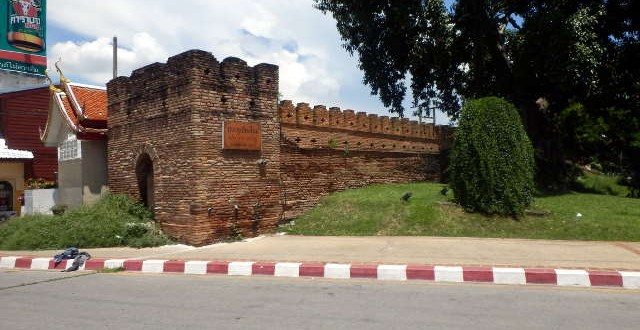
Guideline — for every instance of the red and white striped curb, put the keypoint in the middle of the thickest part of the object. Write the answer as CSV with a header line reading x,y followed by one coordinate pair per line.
x,y
498,275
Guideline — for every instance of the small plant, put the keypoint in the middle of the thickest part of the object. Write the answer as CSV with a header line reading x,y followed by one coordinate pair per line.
x,y
332,144
39,183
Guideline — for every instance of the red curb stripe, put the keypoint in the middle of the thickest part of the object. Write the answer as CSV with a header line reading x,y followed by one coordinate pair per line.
x,y
421,273
94,264
540,276
477,274
603,278
23,263
218,267
133,265
263,268
312,270
364,271
61,265
173,266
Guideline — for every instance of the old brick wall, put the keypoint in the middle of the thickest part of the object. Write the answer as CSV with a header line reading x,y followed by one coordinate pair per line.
x,y
174,113
326,150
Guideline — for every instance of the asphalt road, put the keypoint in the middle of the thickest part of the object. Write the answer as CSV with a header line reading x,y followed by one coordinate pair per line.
x,y
52,300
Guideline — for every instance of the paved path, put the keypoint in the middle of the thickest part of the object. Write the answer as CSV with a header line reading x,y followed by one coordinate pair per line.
x,y
403,250
501,261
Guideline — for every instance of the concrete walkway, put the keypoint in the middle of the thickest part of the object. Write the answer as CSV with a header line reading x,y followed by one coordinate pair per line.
x,y
394,250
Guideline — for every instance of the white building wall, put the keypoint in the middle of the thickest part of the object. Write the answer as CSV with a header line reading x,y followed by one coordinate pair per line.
x,y
9,79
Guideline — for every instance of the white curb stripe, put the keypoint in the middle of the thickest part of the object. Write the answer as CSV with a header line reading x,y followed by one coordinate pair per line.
x,y
195,267
565,277
153,266
337,271
630,280
287,269
509,276
241,268
572,277
70,263
448,274
40,263
392,272
114,263
8,262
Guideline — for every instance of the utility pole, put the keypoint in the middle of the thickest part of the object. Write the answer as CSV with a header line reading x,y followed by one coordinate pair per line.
x,y
115,57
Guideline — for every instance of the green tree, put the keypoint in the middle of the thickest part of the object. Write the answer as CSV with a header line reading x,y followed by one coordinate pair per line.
x,y
544,56
491,167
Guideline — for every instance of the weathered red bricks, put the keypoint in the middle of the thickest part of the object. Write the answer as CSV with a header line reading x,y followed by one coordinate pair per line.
x,y
172,114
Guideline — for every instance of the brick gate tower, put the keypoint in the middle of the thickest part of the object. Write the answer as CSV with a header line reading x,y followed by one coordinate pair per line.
x,y
198,141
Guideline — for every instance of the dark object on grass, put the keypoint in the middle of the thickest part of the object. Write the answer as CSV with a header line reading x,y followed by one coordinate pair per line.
x,y
444,191
406,196
537,213
59,209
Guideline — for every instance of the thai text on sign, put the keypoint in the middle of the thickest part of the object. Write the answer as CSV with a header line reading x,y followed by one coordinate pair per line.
x,y
238,135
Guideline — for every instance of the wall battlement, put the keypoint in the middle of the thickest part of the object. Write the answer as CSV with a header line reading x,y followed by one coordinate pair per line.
x,y
195,74
319,127
302,114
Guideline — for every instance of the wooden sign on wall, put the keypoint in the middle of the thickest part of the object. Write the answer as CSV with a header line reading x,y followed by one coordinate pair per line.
x,y
238,135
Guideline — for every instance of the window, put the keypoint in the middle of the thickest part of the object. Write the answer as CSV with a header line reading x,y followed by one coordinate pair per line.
x,y
69,148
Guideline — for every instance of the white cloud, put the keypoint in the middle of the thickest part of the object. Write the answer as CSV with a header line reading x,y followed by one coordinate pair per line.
x,y
305,44
91,62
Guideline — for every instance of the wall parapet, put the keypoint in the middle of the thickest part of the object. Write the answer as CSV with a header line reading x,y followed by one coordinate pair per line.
x,y
302,114
318,127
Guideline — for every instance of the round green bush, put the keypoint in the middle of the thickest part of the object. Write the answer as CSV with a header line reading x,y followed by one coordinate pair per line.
x,y
491,167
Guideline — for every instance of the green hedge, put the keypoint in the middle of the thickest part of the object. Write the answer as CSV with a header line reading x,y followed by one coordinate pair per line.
x,y
115,220
492,166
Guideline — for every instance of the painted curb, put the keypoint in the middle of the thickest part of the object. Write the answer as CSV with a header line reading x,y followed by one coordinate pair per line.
x,y
385,272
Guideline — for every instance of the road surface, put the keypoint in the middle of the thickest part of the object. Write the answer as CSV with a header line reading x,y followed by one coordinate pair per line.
x,y
52,300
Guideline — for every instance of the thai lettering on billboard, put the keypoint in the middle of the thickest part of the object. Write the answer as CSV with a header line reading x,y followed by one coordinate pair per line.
x,y
22,36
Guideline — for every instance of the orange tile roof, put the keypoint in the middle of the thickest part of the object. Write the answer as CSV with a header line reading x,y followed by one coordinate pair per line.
x,y
92,101
68,110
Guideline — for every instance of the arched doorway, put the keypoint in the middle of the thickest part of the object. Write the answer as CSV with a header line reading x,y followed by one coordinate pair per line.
x,y
6,196
144,174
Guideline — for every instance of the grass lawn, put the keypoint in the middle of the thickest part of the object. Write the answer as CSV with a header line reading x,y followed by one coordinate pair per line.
x,y
378,210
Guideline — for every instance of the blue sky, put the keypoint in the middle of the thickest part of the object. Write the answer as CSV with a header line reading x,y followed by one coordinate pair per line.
x,y
314,68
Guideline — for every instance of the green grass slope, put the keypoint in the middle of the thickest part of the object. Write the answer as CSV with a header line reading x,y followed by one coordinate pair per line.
x,y
378,210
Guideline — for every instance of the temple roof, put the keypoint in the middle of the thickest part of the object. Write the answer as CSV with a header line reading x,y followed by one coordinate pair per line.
x,y
83,108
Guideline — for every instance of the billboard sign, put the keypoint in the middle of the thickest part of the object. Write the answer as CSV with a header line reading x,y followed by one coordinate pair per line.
x,y
22,36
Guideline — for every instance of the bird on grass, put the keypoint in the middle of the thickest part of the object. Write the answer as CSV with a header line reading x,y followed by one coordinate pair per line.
x,y
406,196
444,191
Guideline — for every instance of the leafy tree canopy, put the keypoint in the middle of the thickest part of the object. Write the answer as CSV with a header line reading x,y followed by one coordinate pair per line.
x,y
523,50
554,59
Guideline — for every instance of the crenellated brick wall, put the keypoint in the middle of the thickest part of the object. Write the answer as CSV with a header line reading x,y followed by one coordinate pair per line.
x,y
173,114
326,150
